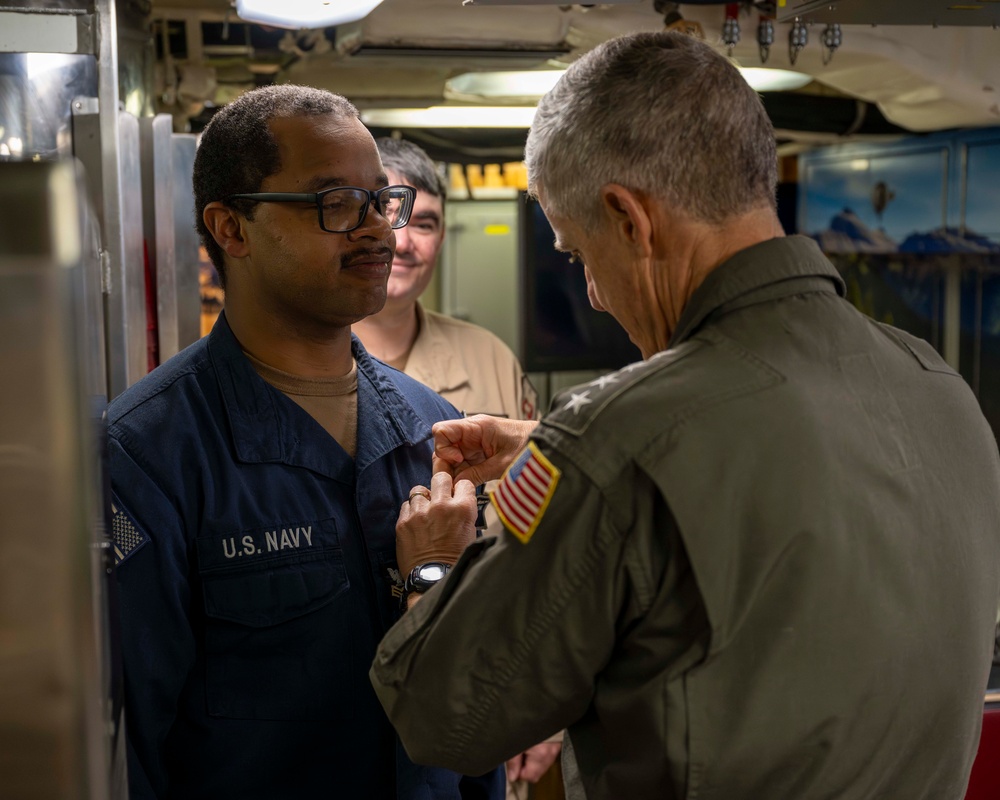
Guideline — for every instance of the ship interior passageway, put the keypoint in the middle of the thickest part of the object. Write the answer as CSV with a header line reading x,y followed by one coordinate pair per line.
x,y
887,127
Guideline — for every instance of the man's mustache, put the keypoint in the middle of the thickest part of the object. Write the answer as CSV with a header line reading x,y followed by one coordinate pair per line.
x,y
367,255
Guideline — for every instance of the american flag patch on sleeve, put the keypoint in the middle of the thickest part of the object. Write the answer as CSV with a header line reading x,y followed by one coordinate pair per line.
x,y
525,492
126,535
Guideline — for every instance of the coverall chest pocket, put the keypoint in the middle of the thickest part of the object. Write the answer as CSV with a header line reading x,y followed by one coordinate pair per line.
x,y
275,634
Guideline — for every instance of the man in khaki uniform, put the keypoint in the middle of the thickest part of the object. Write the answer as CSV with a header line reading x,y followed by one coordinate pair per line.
x,y
467,365
761,564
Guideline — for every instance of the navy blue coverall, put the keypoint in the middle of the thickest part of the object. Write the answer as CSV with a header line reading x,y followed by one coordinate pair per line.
x,y
257,572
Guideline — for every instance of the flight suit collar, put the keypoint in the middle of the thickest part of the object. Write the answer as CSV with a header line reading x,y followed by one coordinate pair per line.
x,y
432,360
268,427
775,268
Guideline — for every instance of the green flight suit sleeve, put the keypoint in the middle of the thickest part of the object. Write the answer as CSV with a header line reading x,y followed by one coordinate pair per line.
x,y
506,651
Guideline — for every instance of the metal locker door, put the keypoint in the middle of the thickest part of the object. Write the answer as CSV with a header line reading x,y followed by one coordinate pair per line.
x,y
55,719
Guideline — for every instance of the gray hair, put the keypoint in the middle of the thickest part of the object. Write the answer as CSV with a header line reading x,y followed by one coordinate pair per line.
x,y
412,164
660,113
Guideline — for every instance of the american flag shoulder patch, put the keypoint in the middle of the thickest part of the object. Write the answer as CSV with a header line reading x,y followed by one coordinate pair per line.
x,y
525,491
126,535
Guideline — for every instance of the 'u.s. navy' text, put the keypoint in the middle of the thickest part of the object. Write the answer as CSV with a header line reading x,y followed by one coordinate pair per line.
x,y
273,541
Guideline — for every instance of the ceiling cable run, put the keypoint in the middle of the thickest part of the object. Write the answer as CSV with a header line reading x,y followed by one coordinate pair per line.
x,y
765,37
831,39
798,38
861,107
731,27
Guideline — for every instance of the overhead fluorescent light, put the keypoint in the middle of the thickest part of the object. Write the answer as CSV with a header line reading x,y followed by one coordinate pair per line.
x,y
525,84
762,79
513,83
304,13
535,83
450,117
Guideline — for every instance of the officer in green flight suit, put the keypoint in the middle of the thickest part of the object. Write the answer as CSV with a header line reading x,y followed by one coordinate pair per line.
x,y
761,564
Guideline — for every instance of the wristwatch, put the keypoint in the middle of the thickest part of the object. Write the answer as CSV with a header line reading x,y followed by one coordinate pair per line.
x,y
423,576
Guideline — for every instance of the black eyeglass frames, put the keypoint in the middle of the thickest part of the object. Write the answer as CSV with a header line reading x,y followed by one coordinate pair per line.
x,y
342,209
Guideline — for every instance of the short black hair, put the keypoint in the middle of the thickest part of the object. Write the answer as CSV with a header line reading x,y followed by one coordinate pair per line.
x,y
237,150
412,164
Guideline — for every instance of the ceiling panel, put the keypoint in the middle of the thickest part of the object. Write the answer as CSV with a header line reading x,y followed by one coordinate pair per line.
x,y
894,12
919,76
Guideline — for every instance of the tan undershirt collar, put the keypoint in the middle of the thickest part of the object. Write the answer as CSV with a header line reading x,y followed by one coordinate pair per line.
x,y
332,402
307,387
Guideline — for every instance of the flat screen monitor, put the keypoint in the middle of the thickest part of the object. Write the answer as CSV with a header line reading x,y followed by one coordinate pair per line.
x,y
560,330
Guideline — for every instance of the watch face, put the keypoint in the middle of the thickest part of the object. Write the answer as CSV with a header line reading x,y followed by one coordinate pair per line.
x,y
424,576
431,572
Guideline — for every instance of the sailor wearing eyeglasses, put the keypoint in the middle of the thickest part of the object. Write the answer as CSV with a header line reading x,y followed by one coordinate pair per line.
x,y
257,477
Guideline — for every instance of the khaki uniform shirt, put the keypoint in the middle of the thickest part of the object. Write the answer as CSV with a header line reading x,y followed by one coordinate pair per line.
x,y
768,568
470,367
